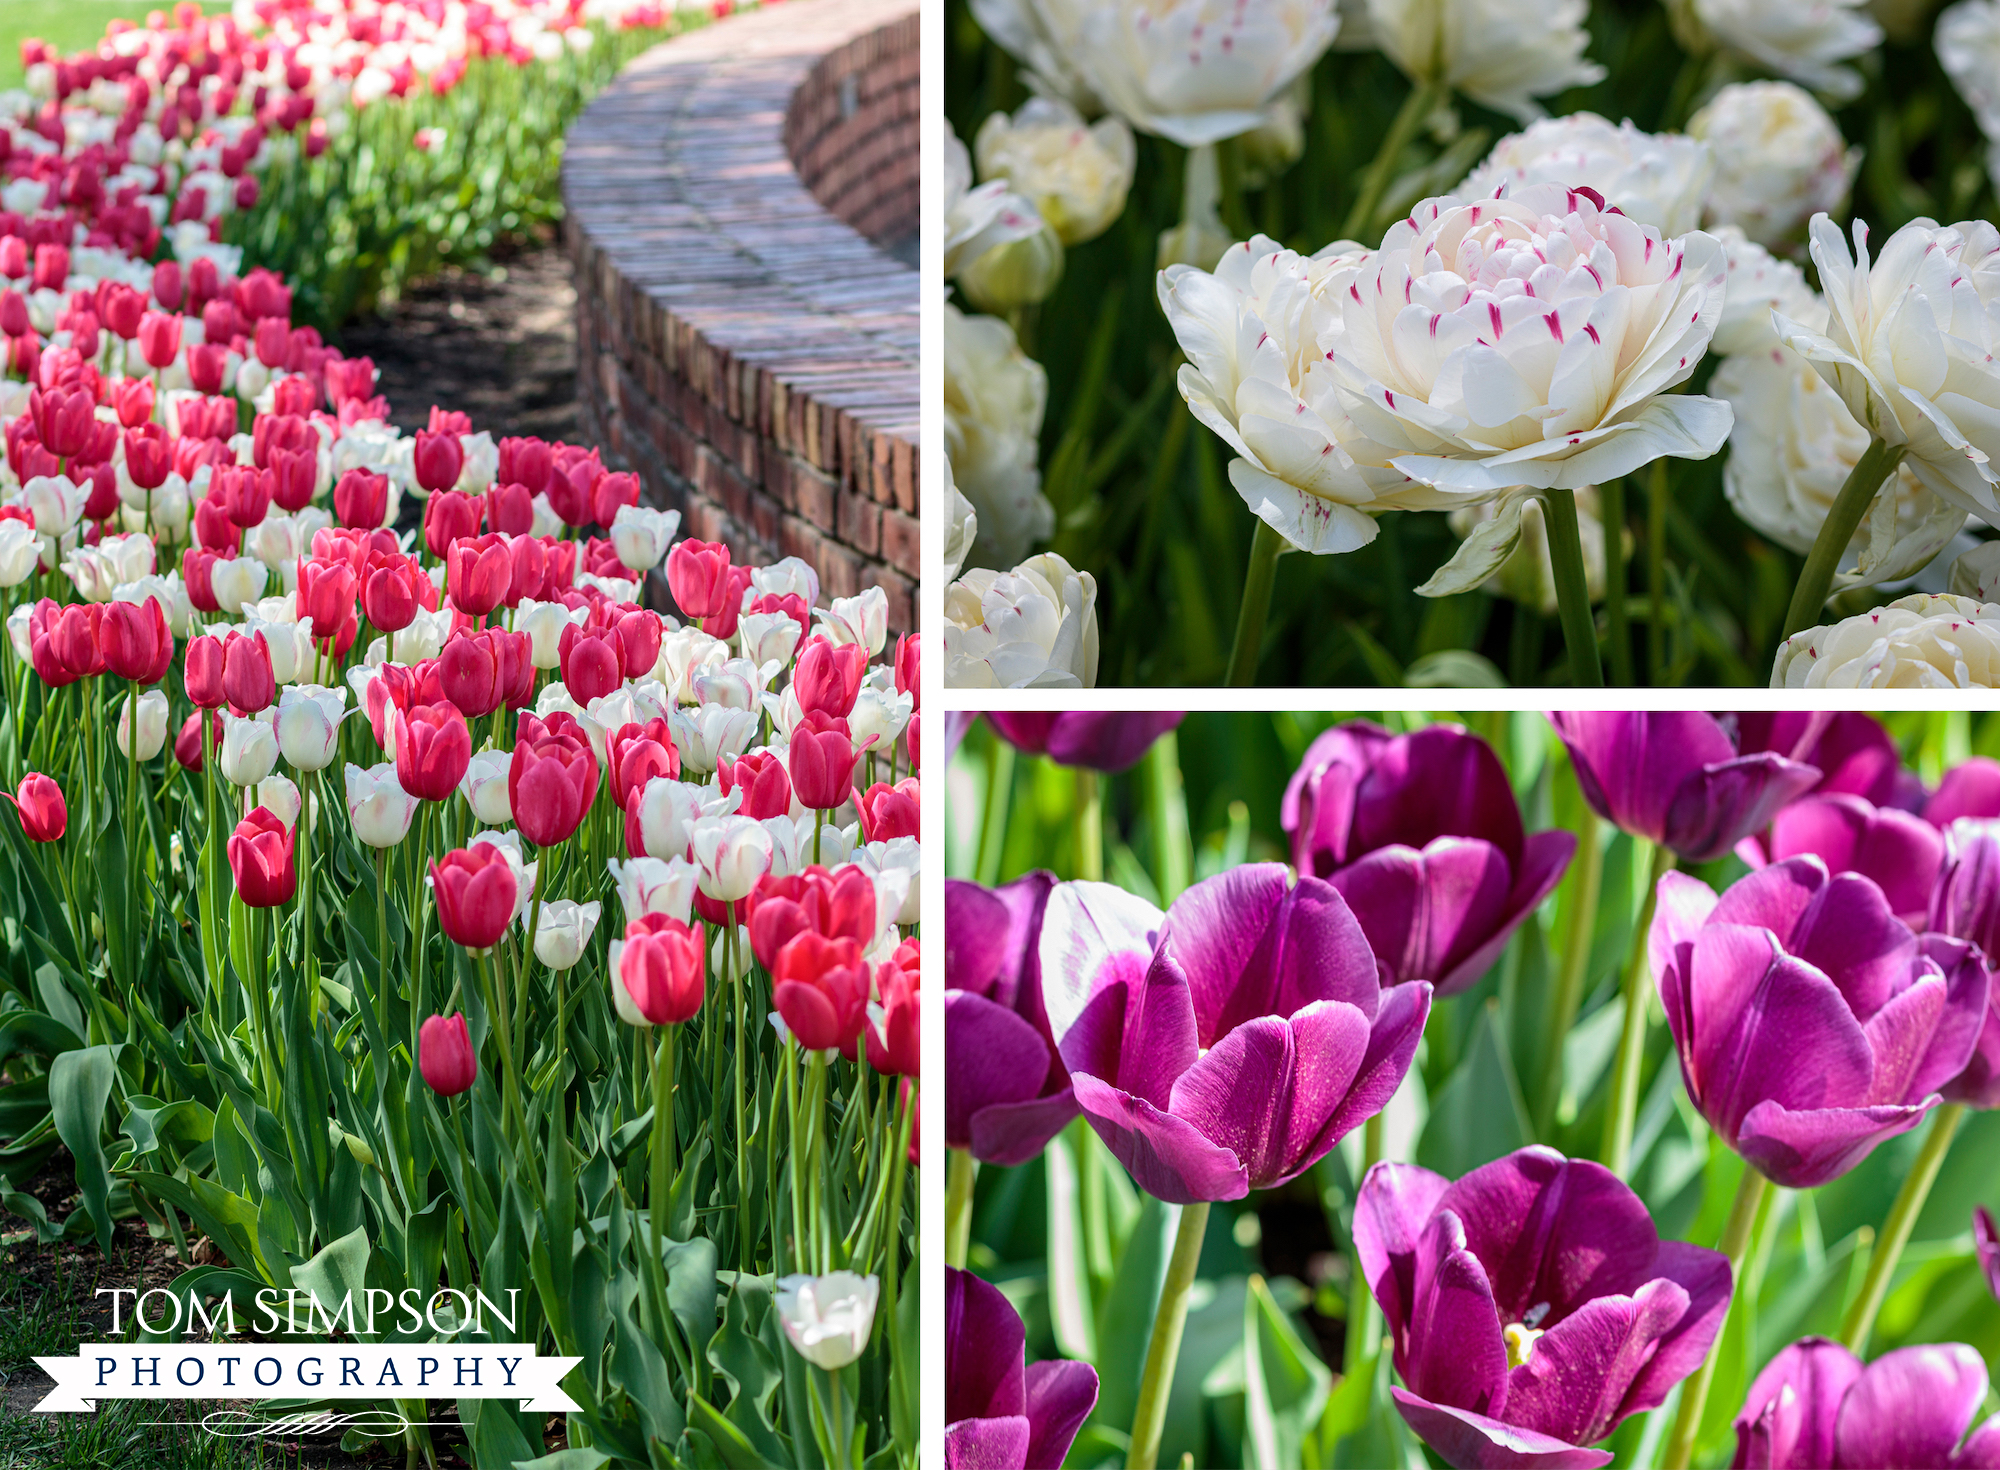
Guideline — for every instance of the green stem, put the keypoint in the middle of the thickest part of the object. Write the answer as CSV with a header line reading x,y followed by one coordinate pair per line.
x,y
1588,866
960,1174
1572,589
999,789
1656,571
1624,1107
1364,1323
1089,829
1256,605
663,1133
1423,100
1860,1320
1735,1244
1877,463
1173,848
1157,1382
132,865
737,1019
1618,626
420,917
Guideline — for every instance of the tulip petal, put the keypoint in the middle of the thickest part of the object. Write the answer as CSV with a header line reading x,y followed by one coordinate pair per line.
x,y
1705,1276
1093,934
984,1343
1544,858
1423,912
1849,934
1439,781
1969,789
1457,1354
992,1057
1790,1410
1909,1408
1900,852
1962,1027
1392,1042
1391,1208
1475,1442
986,1444
1981,1450
1899,1033
1631,765
1806,1148
1773,897
1574,1383
1239,1094
1061,1395
1720,804
1309,522
1166,1156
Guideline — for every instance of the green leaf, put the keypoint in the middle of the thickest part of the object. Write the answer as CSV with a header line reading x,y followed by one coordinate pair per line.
x,y
1070,1309
579,1458
339,1273
754,1375
1285,1384
1347,1408
737,1452
691,1297
79,1087
1478,1114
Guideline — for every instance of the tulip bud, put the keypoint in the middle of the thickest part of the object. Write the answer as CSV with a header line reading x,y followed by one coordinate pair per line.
x,y
760,775
552,778
659,966
641,536
1018,273
377,806
248,681
38,801
438,460
894,1031
188,748
260,859
562,930
828,1319
152,724
445,1055
476,894
648,885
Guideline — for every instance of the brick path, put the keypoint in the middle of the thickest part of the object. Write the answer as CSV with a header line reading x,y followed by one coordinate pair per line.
x,y
740,344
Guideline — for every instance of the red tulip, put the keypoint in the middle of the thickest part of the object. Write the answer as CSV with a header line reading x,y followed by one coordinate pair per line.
x,y
148,455
611,492
660,966
201,671
888,812
248,683
908,669
553,778
510,508
723,624
478,573
531,570
292,478
476,893
62,641
187,744
243,493
62,418
593,663
213,529
698,576
827,677
361,499
433,748
635,754
767,790
639,633
39,802
389,593
260,858
448,516
326,593
835,905
445,1055
159,338
132,398
893,1045
822,761
479,672
135,641
525,462
820,987
197,565
439,460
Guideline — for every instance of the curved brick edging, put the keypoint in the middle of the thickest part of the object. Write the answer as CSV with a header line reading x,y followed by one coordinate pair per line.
x,y
749,353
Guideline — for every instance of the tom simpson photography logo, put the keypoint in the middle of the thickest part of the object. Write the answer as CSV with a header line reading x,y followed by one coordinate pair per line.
x,y
441,1366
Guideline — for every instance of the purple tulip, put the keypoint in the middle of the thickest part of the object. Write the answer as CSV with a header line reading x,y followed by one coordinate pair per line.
x,y
1856,756
1105,740
1422,835
1531,1305
1006,1091
1228,1044
1969,789
1676,778
1986,1243
999,1412
1811,1023
1850,834
1815,1407
1965,903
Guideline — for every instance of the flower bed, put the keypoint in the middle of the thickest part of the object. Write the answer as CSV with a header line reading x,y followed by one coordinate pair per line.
x,y
372,1027
1347,1096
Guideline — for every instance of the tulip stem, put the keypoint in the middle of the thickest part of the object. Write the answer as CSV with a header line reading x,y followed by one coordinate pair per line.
x,y
1656,571
1089,813
1364,1329
960,1175
663,1134
1579,625
1896,1229
1877,463
1624,1106
1157,1382
1424,99
1735,1244
1617,623
1256,605
1588,866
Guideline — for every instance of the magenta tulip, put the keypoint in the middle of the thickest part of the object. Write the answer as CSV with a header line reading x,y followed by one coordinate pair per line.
x,y
1002,1412
1850,834
1815,1407
1095,740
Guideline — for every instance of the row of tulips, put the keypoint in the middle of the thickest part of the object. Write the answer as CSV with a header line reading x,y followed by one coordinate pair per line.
x,y
1826,979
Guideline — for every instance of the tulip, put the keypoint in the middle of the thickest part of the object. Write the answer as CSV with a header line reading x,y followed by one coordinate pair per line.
x,y
909,664
562,929
326,594
641,535
479,570
1850,834
893,865
281,798
484,787
698,577
732,853
135,641
635,753
308,725
438,460
1531,1305
1965,903
508,845
710,735
544,623
820,987
828,677
63,642
1422,835
737,683
551,778
377,805
433,748
361,499
445,1055
997,1411
1823,1025
651,886
768,637
476,894
1675,778
187,743
152,724
1815,1407
821,758
234,582
1969,789
760,776
1261,1067
1107,742
159,338
1986,1245
260,859
658,965
895,1026
249,748
827,1319
249,683
889,812
593,663
1856,756
38,802
20,549
478,671
661,818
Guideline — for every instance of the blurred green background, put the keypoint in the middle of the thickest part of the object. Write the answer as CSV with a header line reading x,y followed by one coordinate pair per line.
x,y
1081,1253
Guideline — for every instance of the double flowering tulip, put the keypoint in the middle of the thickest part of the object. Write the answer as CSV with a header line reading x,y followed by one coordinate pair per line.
x,y
1531,1305
1229,1043
1007,1092
1098,741
38,801
657,974
1676,778
1422,835
820,987
1816,1407
552,778
1000,1411
477,893
445,1055
433,748
1850,834
1811,1023
260,859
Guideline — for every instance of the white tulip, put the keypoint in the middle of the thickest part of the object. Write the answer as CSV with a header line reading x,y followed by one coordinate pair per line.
x,y
711,733
1924,641
961,529
423,638
90,572
169,591
1500,53
862,619
17,631
237,581
737,684
56,502
978,220
994,396
668,810
562,928
249,747
1779,159
543,622
788,576
1806,43
651,885
1032,628
1659,179
641,535
828,1319
1759,284
1076,174
480,465
280,796
879,717
732,852
378,806
484,786
900,855
279,540
768,638
1968,47
152,724
290,642
684,653
308,723
20,549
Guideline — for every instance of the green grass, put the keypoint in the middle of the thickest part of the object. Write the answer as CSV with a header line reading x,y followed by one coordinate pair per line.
x,y
71,26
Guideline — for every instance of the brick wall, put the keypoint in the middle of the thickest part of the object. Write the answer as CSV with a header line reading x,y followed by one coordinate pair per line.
x,y
741,344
